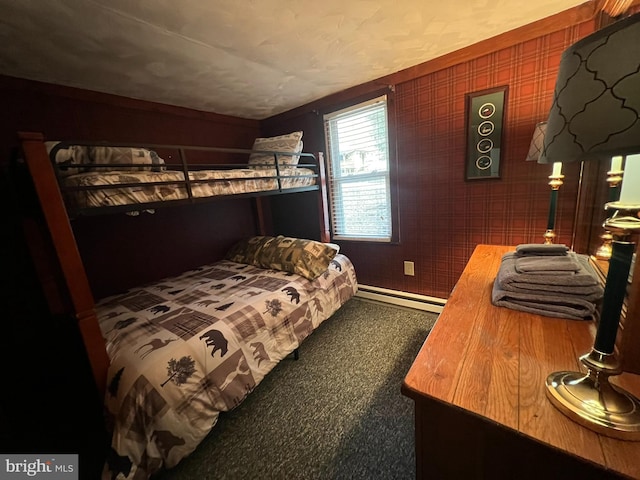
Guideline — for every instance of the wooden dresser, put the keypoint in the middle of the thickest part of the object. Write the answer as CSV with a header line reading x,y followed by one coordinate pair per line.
x,y
478,384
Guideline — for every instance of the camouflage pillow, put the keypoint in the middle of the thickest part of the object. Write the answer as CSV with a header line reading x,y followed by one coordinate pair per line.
x,y
307,258
122,158
290,143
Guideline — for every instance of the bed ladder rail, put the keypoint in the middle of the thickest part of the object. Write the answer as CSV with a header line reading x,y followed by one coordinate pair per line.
x,y
68,255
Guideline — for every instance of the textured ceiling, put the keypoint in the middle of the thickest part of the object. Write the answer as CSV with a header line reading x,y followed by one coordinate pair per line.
x,y
246,58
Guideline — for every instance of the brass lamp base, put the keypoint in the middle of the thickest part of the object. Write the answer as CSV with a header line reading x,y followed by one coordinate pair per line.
x,y
590,400
549,235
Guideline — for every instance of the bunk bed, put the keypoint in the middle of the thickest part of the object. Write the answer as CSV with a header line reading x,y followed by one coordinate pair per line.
x,y
97,178
169,356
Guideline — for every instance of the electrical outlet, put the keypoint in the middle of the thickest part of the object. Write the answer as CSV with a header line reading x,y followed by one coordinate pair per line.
x,y
408,269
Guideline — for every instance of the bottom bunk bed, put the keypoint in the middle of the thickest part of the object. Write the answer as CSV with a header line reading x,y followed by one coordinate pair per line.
x,y
170,356
186,348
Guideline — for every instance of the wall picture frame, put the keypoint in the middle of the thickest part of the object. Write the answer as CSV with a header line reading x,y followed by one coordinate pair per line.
x,y
485,115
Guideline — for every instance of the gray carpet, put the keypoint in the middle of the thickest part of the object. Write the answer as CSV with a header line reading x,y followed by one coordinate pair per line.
x,y
336,413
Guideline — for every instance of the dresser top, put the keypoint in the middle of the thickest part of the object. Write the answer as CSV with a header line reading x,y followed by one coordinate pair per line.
x,y
493,362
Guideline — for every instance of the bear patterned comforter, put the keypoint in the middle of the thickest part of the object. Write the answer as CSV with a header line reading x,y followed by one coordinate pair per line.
x,y
187,348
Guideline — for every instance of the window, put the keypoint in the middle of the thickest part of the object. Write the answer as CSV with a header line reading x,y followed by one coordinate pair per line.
x,y
359,182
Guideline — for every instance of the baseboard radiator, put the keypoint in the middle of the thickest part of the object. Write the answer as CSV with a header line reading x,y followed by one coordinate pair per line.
x,y
404,299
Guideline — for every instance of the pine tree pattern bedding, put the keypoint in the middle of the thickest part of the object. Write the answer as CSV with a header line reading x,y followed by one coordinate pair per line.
x,y
186,348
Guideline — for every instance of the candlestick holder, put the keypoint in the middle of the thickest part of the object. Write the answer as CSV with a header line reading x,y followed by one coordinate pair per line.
x,y
590,399
624,221
614,178
603,252
555,182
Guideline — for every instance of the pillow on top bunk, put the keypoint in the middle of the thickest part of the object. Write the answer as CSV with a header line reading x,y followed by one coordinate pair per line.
x,y
65,154
307,258
289,143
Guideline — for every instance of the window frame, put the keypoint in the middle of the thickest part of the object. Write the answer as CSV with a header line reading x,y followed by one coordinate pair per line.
x,y
393,168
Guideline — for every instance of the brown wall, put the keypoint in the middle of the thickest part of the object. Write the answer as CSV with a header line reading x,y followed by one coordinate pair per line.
x,y
442,216
121,252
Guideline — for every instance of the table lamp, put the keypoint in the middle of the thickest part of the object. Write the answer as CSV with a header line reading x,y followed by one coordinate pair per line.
x,y
614,177
596,116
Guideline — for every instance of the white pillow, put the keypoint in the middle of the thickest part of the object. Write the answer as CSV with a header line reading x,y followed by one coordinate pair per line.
x,y
289,143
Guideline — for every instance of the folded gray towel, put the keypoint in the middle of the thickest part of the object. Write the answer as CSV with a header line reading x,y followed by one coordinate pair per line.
x,y
537,249
547,264
562,306
583,283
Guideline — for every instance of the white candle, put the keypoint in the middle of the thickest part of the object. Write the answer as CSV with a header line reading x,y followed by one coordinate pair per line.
x,y
616,164
630,190
557,169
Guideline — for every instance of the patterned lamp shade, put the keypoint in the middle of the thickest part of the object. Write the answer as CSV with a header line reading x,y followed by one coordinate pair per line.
x,y
596,106
535,149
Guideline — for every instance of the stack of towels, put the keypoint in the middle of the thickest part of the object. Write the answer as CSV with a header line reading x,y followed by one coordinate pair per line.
x,y
547,280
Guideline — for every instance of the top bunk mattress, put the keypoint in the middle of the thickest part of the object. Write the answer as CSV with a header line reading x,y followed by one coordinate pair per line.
x,y
103,189
96,176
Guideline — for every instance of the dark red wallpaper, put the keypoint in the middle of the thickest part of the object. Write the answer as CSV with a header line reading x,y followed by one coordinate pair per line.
x,y
443,216
120,251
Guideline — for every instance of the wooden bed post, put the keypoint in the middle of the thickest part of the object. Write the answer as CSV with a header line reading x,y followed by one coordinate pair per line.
x,y
68,256
263,213
323,201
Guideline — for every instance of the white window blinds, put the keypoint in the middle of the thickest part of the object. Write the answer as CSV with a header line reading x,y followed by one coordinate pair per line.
x,y
358,149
